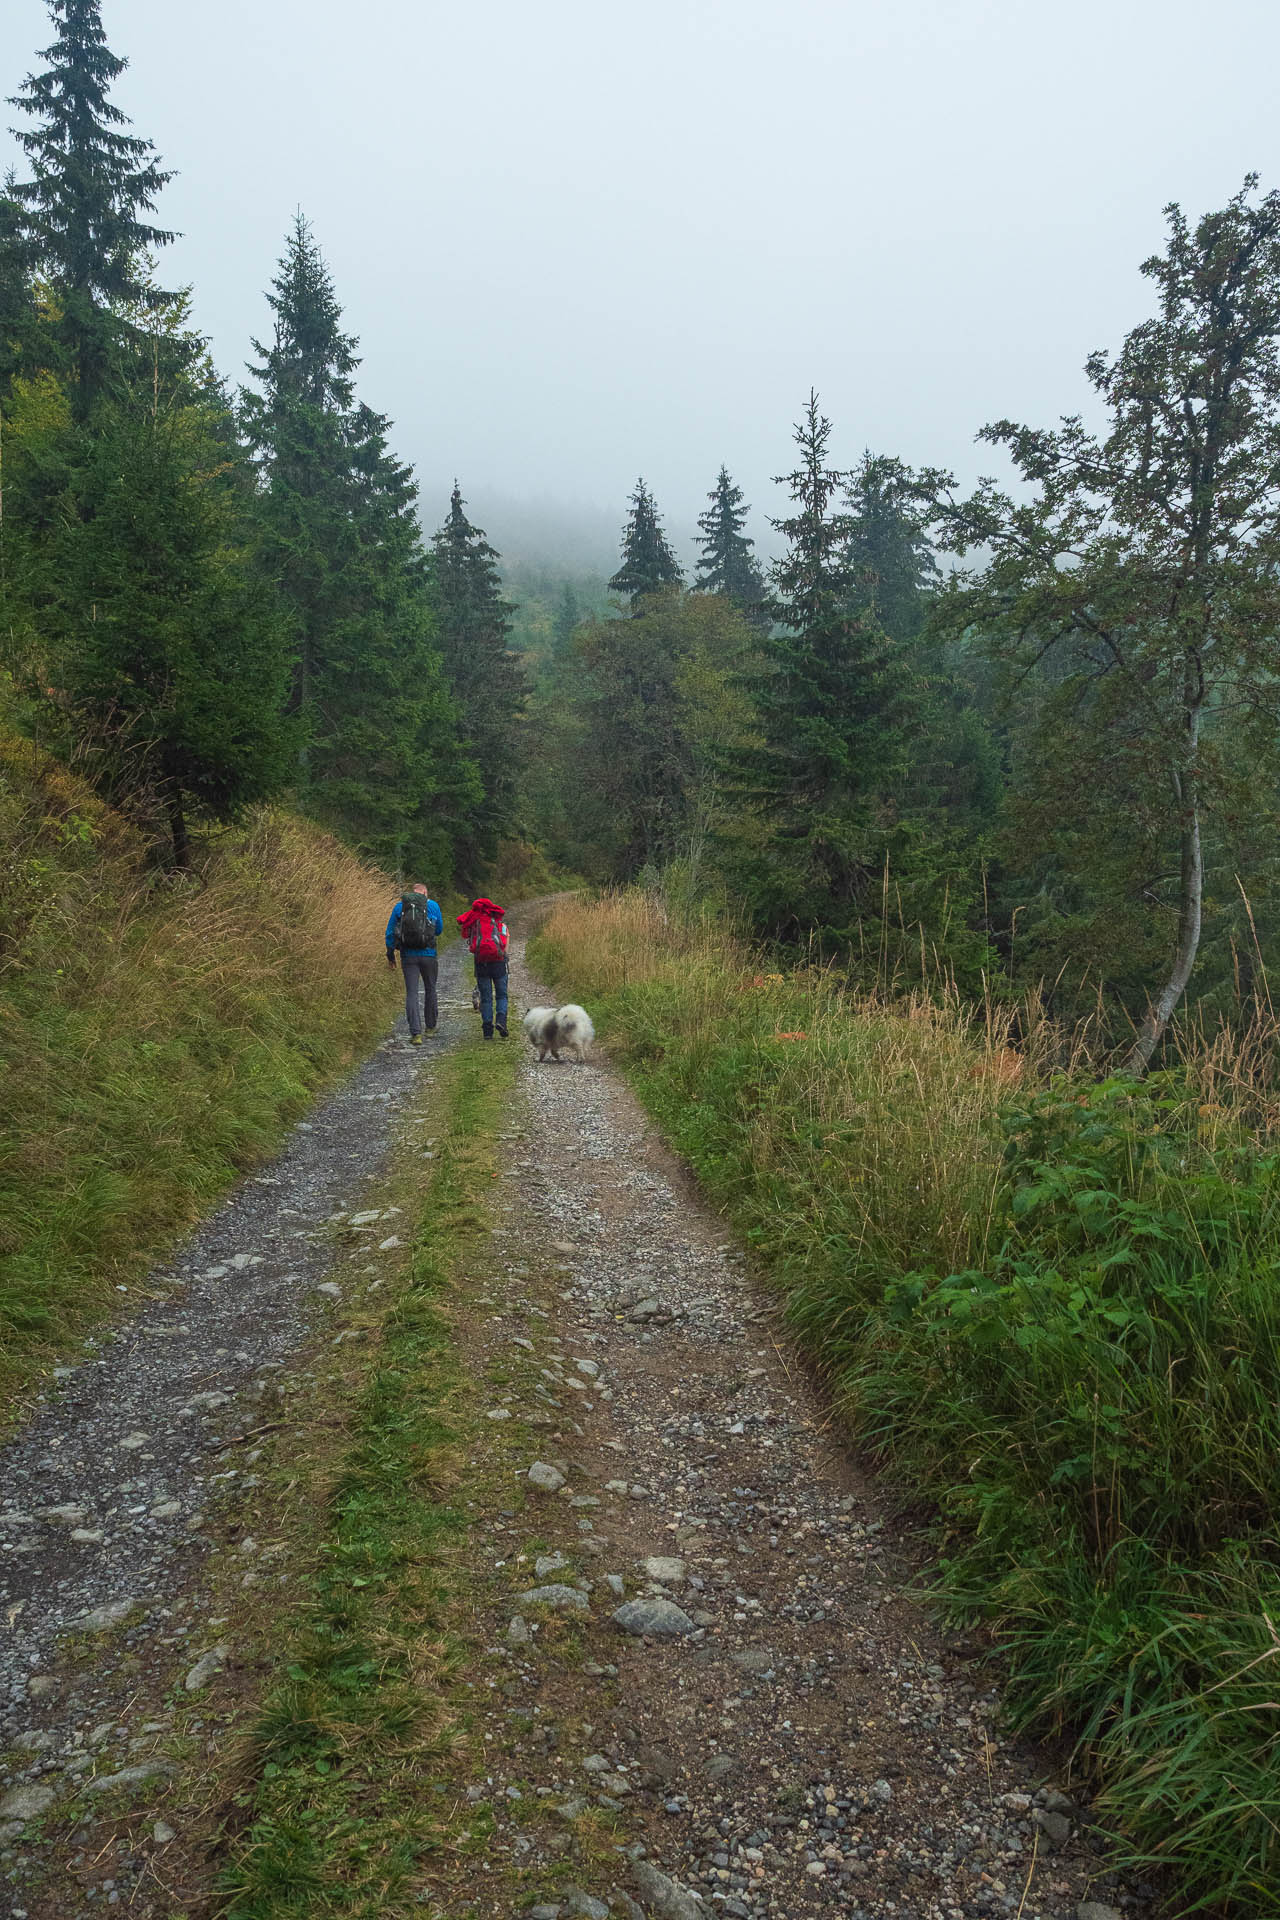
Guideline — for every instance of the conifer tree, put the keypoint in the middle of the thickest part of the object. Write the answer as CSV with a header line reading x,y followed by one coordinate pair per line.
x,y
92,185
485,677
889,550
648,564
568,615
727,564
830,708
18,317
379,761
177,651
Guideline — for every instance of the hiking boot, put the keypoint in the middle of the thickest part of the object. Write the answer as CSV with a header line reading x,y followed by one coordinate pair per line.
x,y
488,1030
503,1032
415,1039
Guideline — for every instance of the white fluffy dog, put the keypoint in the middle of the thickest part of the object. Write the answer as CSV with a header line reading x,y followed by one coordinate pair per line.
x,y
550,1028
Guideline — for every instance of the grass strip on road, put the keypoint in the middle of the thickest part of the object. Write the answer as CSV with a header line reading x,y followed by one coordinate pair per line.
x,y
339,1802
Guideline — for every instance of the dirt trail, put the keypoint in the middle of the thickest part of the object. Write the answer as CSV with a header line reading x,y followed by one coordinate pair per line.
x,y
101,1494
792,1736
768,1727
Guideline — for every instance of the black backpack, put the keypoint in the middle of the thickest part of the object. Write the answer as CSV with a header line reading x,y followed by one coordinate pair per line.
x,y
417,929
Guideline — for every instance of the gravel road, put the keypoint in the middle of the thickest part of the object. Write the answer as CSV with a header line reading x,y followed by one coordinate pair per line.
x,y
776,1724
101,1494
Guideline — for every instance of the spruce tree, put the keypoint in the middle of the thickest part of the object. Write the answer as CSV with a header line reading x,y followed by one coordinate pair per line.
x,y
176,648
888,549
18,314
379,761
830,707
485,677
727,564
91,186
568,615
648,564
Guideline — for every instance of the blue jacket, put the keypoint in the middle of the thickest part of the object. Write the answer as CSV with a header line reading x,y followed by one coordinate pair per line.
x,y
414,953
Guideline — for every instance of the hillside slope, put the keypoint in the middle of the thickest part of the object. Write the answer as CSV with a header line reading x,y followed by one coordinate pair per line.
x,y
157,1034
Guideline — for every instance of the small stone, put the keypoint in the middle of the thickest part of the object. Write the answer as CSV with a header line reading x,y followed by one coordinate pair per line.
x,y
205,1667
131,1442
33,1741
665,1569
166,1509
1055,1827
27,1803
392,1240
130,1777
69,1516
563,1599
39,1685
585,1905
815,1869
615,1584
588,1367
543,1911
549,1563
365,1219
331,1288
667,1899
720,1765
518,1634
1097,1910
100,1618
498,1413
546,1479
87,1536
882,1791
645,1310
661,1617
162,1833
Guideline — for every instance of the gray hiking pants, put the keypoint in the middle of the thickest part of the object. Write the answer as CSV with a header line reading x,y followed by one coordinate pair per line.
x,y
419,967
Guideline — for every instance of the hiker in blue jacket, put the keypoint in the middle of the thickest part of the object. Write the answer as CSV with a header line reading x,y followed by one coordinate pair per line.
x,y
415,923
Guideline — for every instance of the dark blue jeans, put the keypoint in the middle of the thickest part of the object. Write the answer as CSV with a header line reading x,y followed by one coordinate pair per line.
x,y
491,978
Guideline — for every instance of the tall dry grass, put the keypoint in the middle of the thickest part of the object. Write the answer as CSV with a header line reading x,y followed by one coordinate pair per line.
x,y
157,1033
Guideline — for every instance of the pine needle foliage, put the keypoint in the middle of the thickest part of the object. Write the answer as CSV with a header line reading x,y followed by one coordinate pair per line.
x,y
92,185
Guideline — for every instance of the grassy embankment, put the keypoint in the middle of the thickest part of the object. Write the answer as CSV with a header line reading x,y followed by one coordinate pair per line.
x,y
157,1034
1051,1304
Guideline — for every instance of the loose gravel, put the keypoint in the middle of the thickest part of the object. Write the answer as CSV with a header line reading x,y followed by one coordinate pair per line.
x,y
103,1494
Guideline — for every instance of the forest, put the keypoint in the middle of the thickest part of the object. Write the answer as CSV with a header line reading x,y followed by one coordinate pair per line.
x,y
923,876
1022,742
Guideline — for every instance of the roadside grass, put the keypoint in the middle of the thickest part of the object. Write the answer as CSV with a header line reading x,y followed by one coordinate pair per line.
x,y
1050,1304
157,1034
347,1782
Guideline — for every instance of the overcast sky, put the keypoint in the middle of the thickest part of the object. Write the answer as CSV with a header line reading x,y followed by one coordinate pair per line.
x,y
582,240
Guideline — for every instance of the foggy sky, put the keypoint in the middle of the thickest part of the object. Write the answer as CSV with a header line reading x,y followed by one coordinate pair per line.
x,y
583,240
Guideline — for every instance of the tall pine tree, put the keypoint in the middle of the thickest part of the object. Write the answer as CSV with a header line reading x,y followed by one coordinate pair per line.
x,y
486,678
648,564
727,564
830,708
84,206
380,760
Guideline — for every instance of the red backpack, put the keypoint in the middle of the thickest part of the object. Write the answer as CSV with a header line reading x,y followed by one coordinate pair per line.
x,y
489,936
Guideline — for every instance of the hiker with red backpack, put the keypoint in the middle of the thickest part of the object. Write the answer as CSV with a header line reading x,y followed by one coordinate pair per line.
x,y
415,924
485,931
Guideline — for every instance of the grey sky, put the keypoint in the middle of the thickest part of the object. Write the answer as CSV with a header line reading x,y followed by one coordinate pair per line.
x,y
582,240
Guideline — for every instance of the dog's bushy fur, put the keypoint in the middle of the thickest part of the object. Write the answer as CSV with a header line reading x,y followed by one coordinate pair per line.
x,y
551,1028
